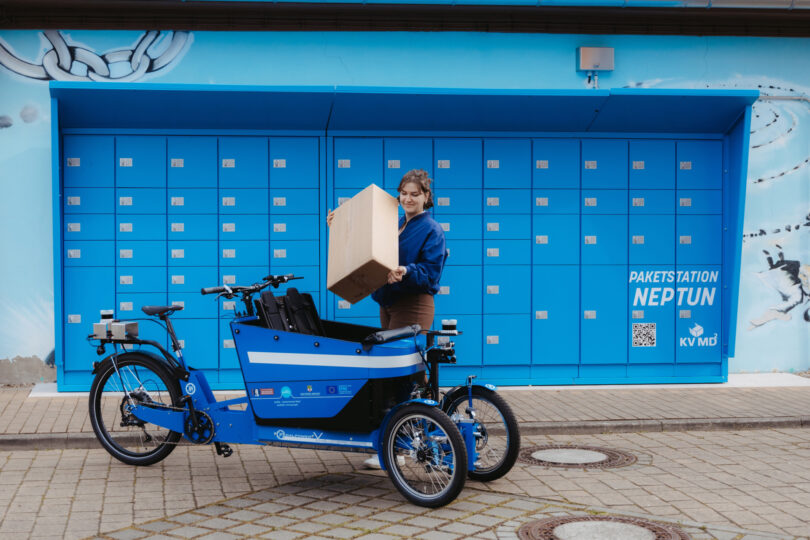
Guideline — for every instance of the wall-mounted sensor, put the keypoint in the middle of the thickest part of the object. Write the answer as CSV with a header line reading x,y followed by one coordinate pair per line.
x,y
595,59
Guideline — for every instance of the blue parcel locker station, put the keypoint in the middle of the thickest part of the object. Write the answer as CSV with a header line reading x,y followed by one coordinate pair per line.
x,y
594,235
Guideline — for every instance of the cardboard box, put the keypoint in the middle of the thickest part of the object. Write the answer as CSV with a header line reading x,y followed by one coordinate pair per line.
x,y
363,244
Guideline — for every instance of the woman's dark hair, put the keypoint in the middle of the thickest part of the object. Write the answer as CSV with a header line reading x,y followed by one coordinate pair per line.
x,y
420,178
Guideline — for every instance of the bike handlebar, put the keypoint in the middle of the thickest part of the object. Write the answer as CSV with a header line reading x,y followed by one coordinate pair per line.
x,y
275,281
212,290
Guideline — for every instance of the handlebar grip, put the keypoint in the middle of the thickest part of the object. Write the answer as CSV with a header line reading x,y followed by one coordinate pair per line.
x,y
212,290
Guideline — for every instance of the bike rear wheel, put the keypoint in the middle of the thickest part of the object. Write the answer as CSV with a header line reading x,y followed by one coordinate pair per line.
x,y
138,379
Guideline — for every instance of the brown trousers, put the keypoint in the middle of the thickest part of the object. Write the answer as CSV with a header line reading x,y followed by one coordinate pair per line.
x,y
412,309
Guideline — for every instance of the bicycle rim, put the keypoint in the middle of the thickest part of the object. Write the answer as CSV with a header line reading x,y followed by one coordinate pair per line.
x,y
493,444
422,457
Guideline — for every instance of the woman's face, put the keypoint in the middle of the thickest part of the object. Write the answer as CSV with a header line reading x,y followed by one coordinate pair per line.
x,y
412,199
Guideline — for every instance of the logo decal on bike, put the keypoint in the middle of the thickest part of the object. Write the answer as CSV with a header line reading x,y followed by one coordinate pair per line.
x,y
190,389
286,392
314,436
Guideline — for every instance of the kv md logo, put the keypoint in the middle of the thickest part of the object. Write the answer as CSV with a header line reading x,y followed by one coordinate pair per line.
x,y
697,339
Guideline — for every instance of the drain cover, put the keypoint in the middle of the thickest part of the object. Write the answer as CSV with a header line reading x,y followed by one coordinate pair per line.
x,y
583,457
601,527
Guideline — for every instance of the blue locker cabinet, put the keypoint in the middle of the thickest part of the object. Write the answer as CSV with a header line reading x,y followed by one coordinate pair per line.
x,y
652,164
458,164
140,161
403,155
507,163
604,164
88,161
556,239
652,299
603,320
294,162
697,329
555,317
358,162
243,162
700,164
555,163
192,162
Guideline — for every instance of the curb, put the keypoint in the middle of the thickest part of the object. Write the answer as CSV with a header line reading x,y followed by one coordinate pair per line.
x,y
85,441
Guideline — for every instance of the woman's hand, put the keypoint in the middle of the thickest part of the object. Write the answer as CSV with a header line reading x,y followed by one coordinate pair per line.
x,y
397,274
329,217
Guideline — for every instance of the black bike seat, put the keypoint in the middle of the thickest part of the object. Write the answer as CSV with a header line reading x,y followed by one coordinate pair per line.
x,y
384,336
160,310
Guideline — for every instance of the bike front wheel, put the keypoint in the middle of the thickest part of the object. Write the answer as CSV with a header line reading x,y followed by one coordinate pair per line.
x,y
425,455
135,379
497,438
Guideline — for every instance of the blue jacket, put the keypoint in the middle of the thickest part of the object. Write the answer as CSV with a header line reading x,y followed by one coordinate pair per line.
x,y
422,251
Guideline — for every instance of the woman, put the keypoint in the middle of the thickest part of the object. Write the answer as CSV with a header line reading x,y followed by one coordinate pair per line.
x,y
407,298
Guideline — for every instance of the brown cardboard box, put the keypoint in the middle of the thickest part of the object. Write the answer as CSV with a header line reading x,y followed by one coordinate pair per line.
x,y
363,244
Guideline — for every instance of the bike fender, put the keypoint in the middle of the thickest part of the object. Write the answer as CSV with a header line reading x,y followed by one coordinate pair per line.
x,y
463,387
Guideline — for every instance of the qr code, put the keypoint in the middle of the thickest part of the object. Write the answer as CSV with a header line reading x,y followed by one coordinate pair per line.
x,y
643,334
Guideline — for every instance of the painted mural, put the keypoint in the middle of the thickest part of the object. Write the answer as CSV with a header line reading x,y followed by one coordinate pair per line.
x,y
774,309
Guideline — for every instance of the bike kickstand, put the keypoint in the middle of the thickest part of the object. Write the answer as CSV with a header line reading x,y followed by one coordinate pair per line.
x,y
223,449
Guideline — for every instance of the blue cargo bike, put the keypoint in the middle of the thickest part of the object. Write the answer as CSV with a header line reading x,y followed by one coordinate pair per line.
x,y
310,383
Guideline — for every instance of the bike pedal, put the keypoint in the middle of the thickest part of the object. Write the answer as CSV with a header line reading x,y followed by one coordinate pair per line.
x,y
223,449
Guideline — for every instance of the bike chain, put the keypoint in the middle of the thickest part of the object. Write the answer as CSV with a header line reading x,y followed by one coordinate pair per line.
x,y
156,405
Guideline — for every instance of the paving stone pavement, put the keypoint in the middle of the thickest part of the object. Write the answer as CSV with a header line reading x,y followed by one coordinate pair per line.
x,y
716,484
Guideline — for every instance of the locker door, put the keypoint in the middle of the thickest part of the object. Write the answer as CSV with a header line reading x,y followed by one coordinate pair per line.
x,y
468,344
458,201
506,340
464,252
652,314
458,163
86,292
402,155
604,239
366,307
294,253
89,253
140,253
243,253
456,290
507,201
358,162
88,161
143,279
244,227
140,227
461,226
697,327
294,201
652,239
604,163
294,162
192,162
228,358
193,279
243,201
243,162
652,164
195,305
294,227
555,316
507,252
555,163
700,201
507,163
192,201
140,201
556,201
199,340
699,239
507,226
604,201
89,227
193,227
603,319
192,253
310,282
128,305
89,201
652,201
140,161
556,239
700,164
506,289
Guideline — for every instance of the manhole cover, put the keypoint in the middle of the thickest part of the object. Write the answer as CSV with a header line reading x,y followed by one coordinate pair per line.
x,y
583,457
599,528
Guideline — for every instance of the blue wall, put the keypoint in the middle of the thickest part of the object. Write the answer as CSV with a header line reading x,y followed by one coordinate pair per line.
x,y
772,330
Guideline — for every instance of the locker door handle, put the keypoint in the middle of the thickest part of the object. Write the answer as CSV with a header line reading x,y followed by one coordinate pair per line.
x,y
493,340
279,163
444,164
178,254
444,289
125,306
541,315
228,201
279,253
685,240
590,314
493,289
228,163
685,314
74,254
178,227
393,164
228,344
638,201
74,162
125,201
590,201
541,201
126,253
686,201
344,164
179,303
228,253
686,165
590,240
229,306
74,201
229,227
181,201
279,201
125,280
178,280
493,227
125,227
638,240
493,252
74,319
493,164
541,239
444,201
541,164
638,165
638,314
445,227
125,162
591,165
74,227
279,227
178,163
343,304
342,200
493,201
228,279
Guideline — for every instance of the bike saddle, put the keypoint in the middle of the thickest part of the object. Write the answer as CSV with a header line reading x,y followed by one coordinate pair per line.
x,y
160,310
384,336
